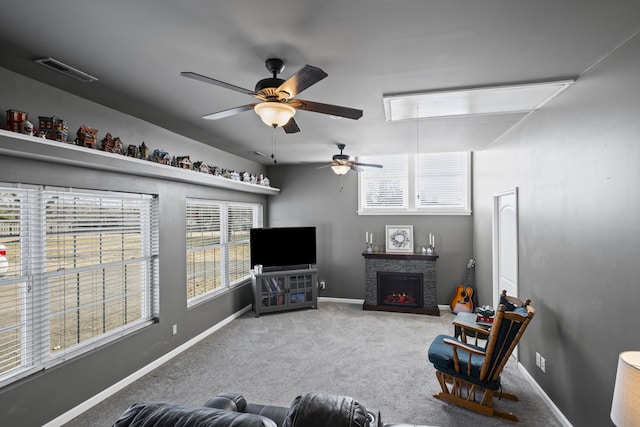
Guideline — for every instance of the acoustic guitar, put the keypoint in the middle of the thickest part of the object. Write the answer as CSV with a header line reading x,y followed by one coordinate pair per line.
x,y
462,301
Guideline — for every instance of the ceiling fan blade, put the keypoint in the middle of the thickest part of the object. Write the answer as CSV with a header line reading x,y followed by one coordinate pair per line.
x,y
355,168
332,110
370,165
230,112
209,80
291,126
302,79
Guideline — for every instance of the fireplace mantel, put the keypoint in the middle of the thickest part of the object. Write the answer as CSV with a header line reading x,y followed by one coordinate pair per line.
x,y
394,255
424,264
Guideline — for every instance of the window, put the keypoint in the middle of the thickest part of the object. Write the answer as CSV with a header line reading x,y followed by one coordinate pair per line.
x,y
80,268
218,254
386,188
415,184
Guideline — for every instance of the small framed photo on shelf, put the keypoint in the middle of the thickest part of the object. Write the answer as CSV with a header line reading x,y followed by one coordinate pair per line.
x,y
399,238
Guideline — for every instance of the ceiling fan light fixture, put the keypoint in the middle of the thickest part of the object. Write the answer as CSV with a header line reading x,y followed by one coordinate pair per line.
x,y
274,113
340,169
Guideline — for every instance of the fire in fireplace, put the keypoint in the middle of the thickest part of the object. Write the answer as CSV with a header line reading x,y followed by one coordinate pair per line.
x,y
400,289
402,298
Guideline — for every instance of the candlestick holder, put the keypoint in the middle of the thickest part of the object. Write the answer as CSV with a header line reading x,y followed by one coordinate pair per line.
x,y
431,250
369,247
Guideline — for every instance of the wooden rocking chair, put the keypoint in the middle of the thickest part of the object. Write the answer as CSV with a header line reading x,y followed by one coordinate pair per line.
x,y
469,375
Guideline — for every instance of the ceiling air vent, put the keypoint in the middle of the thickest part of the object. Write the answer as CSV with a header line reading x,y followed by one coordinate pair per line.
x,y
66,70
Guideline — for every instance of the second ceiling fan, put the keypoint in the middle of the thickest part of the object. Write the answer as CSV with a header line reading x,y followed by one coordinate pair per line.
x,y
343,163
278,96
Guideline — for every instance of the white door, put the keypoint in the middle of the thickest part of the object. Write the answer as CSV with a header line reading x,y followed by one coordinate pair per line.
x,y
505,244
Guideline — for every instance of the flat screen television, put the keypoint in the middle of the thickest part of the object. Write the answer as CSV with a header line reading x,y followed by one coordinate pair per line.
x,y
283,247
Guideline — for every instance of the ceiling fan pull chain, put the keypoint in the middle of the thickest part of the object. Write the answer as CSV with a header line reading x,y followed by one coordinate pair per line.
x,y
273,145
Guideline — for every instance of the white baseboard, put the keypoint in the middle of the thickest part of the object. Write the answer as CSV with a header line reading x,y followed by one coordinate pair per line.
x,y
89,403
341,300
556,411
444,307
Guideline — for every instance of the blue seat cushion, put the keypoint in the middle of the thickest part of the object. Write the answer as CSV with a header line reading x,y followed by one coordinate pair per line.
x,y
441,355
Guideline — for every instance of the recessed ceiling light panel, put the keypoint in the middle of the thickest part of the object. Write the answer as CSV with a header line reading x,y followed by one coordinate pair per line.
x,y
520,98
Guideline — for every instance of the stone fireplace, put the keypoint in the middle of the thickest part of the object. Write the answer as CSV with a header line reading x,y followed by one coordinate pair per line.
x,y
400,282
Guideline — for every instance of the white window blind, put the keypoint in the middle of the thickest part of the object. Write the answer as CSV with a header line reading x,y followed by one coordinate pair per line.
x,y
441,180
424,184
204,247
218,253
241,220
81,270
387,187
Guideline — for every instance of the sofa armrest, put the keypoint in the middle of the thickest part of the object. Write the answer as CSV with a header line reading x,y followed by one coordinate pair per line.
x,y
237,402
228,401
172,415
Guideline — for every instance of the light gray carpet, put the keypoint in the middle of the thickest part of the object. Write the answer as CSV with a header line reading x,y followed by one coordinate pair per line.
x,y
378,358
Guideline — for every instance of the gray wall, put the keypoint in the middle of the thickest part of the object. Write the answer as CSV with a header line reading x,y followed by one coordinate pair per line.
x,y
318,197
47,394
576,164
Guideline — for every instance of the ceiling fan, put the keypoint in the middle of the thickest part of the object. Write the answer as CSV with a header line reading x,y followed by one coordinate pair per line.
x,y
342,163
278,96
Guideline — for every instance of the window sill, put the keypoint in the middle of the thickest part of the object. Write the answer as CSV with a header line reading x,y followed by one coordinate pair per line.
x,y
395,212
200,299
14,144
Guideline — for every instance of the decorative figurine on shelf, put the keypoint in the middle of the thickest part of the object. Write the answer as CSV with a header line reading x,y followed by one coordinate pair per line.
x,y
26,127
201,167
184,162
87,137
14,118
54,128
144,151
111,144
133,151
118,145
162,157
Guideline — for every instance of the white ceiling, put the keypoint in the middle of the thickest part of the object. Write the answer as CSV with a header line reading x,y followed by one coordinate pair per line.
x,y
369,48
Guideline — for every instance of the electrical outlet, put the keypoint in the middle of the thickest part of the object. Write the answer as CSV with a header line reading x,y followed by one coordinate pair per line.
x,y
543,364
175,329
537,359
323,284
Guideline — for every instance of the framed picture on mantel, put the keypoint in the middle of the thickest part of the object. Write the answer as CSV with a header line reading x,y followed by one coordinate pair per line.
x,y
399,238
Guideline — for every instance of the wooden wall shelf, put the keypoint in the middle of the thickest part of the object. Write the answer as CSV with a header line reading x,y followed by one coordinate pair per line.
x,y
14,144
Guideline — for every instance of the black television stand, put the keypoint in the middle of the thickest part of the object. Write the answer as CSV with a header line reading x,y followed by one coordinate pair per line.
x,y
284,289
